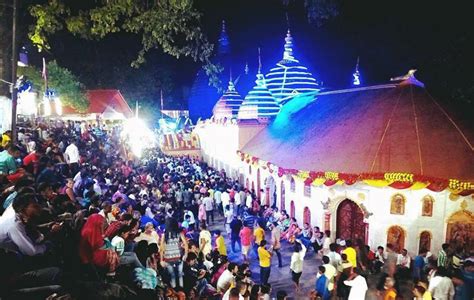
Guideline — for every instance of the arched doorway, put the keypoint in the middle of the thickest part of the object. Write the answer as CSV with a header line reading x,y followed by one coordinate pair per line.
x,y
350,222
460,230
306,216
258,184
292,184
425,241
282,196
247,184
292,209
396,237
253,187
270,191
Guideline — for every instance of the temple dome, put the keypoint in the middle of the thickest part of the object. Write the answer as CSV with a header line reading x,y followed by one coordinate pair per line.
x,y
229,104
289,77
259,102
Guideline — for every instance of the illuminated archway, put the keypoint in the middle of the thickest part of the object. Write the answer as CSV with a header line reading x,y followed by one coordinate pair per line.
x,y
270,191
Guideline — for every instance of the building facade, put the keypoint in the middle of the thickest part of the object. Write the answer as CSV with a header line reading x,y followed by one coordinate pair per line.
x,y
376,164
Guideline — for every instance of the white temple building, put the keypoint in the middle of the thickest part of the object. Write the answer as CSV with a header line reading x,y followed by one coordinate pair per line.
x,y
380,164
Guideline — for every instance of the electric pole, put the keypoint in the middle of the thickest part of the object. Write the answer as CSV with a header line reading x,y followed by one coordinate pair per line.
x,y
14,88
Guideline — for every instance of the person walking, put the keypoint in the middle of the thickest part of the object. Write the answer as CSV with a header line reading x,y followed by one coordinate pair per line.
x,y
173,244
358,285
259,235
246,240
209,207
276,235
264,258
296,264
235,227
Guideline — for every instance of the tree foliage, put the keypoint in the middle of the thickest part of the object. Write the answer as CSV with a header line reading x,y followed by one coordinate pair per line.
x,y
172,25
62,81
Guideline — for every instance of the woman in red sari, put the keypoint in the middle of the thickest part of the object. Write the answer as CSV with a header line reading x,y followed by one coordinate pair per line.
x,y
92,247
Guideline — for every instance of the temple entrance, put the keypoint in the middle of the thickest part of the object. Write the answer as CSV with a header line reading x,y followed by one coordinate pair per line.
x,y
270,191
350,222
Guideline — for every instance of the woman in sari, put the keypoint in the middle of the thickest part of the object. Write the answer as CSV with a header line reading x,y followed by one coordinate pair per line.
x,y
92,247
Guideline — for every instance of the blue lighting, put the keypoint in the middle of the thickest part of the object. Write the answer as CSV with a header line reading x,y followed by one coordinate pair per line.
x,y
283,119
289,77
229,104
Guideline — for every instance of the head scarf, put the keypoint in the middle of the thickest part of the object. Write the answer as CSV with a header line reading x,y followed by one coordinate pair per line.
x,y
92,240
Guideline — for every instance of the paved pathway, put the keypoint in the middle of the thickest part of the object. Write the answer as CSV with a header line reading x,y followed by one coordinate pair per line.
x,y
280,278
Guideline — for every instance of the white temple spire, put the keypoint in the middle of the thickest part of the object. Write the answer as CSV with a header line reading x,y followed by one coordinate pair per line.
x,y
356,75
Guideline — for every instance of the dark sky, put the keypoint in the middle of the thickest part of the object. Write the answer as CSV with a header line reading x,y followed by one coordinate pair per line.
x,y
390,37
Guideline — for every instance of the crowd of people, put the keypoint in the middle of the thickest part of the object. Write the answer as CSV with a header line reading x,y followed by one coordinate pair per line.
x,y
81,217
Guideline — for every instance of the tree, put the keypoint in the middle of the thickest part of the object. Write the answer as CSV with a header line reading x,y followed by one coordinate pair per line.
x,y
172,25
62,81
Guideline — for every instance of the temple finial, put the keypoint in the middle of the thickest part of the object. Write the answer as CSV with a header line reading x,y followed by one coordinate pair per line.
x,y
224,43
356,75
259,61
246,70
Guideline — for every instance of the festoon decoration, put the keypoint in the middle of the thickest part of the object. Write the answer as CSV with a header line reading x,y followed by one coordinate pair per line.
x,y
394,180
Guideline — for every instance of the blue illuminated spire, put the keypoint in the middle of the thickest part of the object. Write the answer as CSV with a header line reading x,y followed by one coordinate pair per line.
x,y
259,103
229,104
289,77
356,75
224,42
288,53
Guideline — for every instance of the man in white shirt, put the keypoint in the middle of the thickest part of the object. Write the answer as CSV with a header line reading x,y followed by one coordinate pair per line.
x,y
358,285
209,206
248,200
441,287
237,201
218,201
225,198
227,278
71,155
403,259
334,257
14,234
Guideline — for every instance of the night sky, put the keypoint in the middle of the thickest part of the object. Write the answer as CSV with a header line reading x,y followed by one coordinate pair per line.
x,y
390,37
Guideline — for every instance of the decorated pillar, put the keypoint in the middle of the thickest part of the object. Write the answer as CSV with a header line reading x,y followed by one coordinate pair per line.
x,y
327,220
